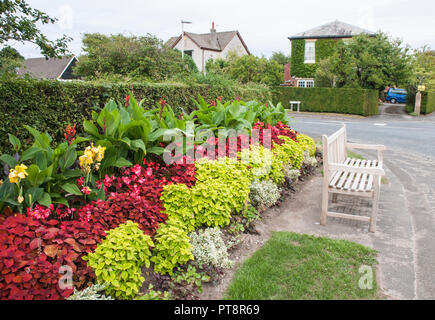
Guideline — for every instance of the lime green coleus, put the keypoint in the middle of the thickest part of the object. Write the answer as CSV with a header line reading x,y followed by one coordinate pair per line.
x,y
117,261
307,144
289,153
172,247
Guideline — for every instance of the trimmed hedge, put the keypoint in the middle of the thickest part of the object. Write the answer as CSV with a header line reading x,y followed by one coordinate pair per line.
x,y
427,102
51,105
339,100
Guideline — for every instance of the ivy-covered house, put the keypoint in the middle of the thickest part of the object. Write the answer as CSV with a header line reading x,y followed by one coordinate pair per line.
x,y
311,46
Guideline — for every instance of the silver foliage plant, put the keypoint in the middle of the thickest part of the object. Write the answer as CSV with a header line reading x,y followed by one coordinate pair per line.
x,y
264,193
311,161
291,173
90,293
209,248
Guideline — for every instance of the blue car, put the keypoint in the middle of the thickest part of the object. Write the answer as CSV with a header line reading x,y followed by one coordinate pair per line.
x,y
396,95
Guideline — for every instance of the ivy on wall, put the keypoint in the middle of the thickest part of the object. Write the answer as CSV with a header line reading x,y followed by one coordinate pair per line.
x,y
324,49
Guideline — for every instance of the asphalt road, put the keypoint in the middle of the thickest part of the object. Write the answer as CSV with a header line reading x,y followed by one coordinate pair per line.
x,y
395,132
406,227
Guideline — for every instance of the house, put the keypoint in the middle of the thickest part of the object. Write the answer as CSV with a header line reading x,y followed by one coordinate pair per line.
x,y
52,68
311,46
213,45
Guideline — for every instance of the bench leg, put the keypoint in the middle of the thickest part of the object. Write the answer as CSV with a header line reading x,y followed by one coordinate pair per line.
x,y
375,204
334,197
325,198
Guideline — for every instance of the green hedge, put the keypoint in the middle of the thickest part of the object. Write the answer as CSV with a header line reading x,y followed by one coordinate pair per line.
x,y
51,105
338,100
427,102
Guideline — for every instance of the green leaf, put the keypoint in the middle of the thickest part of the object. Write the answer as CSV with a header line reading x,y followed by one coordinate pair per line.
x,y
72,189
139,144
101,194
90,128
45,200
122,162
35,176
33,195
68,158
15,142
9,160
30,153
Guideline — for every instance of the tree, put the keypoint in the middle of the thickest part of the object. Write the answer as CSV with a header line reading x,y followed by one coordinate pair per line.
x,y
280,57
10,60
18,22
424,68
369,62
144,58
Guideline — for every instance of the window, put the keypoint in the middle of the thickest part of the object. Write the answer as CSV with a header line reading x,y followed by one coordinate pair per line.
x,y
310,52
188,52
305,83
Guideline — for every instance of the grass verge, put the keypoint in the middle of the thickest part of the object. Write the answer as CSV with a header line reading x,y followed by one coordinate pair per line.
x,y
292,266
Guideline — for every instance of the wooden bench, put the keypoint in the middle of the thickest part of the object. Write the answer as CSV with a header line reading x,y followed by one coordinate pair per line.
x,y
344,175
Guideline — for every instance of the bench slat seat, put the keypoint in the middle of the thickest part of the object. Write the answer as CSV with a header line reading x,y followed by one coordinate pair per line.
x,y
344,175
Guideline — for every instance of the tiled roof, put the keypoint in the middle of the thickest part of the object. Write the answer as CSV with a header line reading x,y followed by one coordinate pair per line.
x,y
336,29
42,68
208,41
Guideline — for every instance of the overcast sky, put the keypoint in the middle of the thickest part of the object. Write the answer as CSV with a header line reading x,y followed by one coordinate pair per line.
x,y
263,24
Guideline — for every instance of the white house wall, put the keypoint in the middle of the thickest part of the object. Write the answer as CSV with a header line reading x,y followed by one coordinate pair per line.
x,y
197,55
234,45
190,45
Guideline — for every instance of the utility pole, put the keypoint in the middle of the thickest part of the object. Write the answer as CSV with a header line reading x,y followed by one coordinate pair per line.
x,y
182,36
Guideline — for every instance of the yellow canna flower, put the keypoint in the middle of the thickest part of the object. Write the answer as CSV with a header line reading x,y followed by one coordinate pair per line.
x,y
100,153
20,199
17,174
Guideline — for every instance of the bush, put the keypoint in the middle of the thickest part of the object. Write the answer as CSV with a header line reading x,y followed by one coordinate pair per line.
x,y
307,144
289,153
339,100
264,194
51,105
427,102
177,200
291,173
117,261
33,251
222,187
90,293
209,248
172,247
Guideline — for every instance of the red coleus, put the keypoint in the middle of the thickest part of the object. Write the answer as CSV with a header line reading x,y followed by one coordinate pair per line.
x,y
32,253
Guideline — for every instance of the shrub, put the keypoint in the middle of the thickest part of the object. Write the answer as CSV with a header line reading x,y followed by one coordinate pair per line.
x,y
33,251
427,102
307,144
263,164
209,248
177,200
264,193
291,173
290,152
117,261
51,105
339,100
90,293
172,247
222,187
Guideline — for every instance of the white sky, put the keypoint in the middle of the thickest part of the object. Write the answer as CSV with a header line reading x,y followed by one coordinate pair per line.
x,y
263,24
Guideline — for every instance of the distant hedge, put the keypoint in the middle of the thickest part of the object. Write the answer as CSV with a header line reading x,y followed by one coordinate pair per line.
x,y
427,102
51,105
339,100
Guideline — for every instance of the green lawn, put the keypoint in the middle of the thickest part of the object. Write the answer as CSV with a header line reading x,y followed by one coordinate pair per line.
x,y
292,266
354,155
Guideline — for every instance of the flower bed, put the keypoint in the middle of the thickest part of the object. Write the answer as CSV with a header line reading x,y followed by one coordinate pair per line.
x,y
150,196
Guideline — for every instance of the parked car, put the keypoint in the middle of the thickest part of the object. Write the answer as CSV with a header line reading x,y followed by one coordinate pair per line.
x,y
396,95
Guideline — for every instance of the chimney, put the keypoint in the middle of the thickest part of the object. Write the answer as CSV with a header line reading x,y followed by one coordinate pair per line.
x,y
287,76
213,35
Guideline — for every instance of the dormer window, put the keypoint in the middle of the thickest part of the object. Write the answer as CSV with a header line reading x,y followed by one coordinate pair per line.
x,y
310,51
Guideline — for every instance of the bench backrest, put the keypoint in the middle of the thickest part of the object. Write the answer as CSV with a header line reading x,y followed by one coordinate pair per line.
x,y
334,148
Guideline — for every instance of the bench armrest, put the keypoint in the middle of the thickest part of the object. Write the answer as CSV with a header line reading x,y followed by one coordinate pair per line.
x,y
378,171
377,147
365,146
